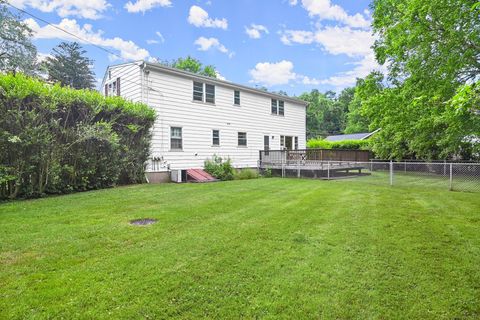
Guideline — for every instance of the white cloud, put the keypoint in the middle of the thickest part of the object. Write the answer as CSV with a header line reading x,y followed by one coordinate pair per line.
x,y
128,49
271,74
325,10
145,5
199,18
297,36
354,43
219,76
255,31
292,2
160,39
205,44
88,9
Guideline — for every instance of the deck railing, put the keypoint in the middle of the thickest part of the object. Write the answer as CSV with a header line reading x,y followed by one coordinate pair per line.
x,y
312,155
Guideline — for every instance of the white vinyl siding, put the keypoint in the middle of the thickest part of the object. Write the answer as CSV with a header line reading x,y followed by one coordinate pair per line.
x,y
171,97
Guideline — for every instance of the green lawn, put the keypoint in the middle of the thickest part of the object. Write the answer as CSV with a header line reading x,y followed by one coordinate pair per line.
x,y
267,248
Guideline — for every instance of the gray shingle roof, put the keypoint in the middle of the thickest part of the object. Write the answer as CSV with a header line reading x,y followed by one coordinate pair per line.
x,y
353,136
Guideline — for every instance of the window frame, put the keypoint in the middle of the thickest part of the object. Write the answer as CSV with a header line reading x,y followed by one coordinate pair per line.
x,y
176,138
195,91
213,138
281,108
274,106
239,139
206,85
235,97
295,144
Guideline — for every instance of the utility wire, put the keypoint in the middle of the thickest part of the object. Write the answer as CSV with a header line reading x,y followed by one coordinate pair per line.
x,y
79,38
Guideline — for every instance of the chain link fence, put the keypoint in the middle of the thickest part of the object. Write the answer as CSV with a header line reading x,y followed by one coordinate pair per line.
x,y
443,175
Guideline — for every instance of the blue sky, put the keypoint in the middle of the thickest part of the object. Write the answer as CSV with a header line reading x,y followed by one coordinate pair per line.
x,y
291,45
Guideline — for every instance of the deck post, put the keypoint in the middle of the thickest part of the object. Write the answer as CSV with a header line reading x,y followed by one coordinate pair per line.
x,y
391,172
328,170
451,176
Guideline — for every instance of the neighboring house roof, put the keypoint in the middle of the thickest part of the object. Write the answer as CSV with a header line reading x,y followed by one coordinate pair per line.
x,y
175,71
353,136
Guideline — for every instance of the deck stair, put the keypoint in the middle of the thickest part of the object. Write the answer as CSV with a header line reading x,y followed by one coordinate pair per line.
x,y
199,175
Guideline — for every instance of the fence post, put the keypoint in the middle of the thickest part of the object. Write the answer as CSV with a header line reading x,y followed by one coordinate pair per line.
x,y
328,170
391,172
283,163
451,176
298,167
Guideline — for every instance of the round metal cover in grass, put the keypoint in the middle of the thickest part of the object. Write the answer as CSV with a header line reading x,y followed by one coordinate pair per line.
x,y
143,222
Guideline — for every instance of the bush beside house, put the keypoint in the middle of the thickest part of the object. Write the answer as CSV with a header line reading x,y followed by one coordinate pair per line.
x,y
58,140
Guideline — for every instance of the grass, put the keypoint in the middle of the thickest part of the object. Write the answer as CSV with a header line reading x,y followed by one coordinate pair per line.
x,y
267,248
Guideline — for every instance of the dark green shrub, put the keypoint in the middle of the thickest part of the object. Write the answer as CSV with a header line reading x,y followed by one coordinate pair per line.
x,y
57,140
267,173
220,168
245,174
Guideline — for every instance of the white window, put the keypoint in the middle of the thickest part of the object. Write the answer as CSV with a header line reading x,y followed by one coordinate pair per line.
x,y
209,93
278,107
242,139
198,91
216,137
112,88
236,97
176,138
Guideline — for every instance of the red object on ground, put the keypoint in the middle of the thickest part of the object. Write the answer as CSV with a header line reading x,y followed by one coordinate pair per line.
x,y
198,175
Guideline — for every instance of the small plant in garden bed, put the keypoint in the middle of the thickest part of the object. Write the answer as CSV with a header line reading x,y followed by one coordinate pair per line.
x,y
220,168
245,174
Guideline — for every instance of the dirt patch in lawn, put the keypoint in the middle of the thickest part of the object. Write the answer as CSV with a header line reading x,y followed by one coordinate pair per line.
x,y
142,222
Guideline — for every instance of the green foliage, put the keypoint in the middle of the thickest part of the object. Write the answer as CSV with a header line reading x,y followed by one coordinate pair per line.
x,y
56,140
69,66
192,65
245,174
432,51
220,168
345,144
17,53
267,173
326,112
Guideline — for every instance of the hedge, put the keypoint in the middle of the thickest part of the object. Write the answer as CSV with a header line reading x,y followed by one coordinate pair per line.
x,y
58,140
345,144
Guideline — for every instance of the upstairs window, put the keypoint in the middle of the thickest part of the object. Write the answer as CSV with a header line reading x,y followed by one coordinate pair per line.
x,y
216,137
197,91
113,88
278,107
209,93
236,97
176,138
242,139
274,106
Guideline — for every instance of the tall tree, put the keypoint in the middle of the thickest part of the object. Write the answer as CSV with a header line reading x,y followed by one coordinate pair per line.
x,y
17,53
432,50
192,65
69,66
325,113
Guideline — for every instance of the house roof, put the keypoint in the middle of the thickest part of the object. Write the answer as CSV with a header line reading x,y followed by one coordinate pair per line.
x,y
191,75
353,136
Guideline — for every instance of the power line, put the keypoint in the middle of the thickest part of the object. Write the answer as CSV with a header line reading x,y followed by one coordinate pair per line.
x,y
80,38
61,29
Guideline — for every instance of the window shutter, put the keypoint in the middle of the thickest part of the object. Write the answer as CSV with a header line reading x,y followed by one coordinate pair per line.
x,y
106,90
118,86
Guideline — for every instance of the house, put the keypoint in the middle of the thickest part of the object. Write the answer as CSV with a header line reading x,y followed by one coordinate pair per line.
x,y
199,116
353,136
